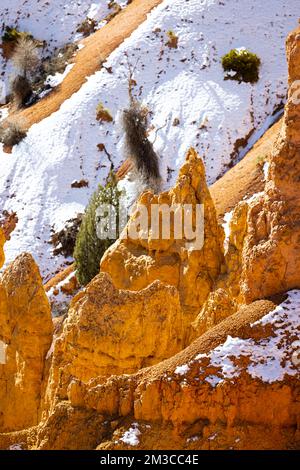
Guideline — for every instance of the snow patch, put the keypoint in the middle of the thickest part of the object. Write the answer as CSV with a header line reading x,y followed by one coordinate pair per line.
x,y
270,359
226,226
131,437
15,447
55,80
266,170
182,370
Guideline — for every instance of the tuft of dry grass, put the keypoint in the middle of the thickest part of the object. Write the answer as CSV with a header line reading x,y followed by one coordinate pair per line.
x,y
172,40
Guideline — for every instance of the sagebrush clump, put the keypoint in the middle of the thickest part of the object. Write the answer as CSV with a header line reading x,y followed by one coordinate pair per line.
x,y
26,57
89,247
27,62
244,65
12,133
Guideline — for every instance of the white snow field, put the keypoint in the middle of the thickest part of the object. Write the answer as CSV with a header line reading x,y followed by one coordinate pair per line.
x,y
184,84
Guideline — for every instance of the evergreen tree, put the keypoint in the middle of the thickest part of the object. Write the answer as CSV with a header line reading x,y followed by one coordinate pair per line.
x,y
90,247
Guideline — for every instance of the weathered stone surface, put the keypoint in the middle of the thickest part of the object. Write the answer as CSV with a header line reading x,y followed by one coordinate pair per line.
x,y
178,409
110,331
26,329
135,263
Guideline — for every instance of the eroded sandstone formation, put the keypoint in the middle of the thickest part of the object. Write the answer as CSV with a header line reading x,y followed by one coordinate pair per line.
x,y
135,263
178,404
111,331
270,232
26,330
263,253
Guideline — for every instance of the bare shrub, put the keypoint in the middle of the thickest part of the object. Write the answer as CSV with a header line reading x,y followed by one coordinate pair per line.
x,y
87,27
26,57
12,133
138,147
172,40
64,240
103,114
57,63
21,90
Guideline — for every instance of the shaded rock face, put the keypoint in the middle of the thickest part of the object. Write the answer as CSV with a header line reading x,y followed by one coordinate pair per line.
x,y
135,263
26,330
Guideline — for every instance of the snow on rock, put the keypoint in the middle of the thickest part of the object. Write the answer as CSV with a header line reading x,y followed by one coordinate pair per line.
x,y
16,447
55,80
226,226
131,437
3,113
182,370
184,86
266,170
60,297
271,358
254,197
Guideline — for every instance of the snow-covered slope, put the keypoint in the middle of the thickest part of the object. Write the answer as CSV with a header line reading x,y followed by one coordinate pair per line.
x,y
54,21
270,358
185,84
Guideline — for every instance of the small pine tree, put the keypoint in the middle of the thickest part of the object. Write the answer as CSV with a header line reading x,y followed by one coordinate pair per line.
x,y
89,248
